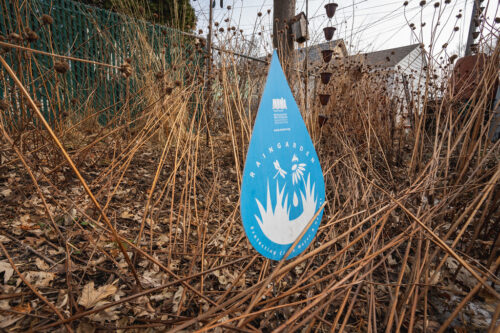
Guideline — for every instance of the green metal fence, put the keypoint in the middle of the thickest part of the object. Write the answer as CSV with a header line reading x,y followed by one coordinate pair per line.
x,y
84,32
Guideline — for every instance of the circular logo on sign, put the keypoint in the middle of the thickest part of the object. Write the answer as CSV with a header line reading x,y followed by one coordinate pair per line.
x,y
285,198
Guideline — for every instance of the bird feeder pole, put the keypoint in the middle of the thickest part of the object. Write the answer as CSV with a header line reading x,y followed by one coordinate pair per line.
x,y
306,83
208,82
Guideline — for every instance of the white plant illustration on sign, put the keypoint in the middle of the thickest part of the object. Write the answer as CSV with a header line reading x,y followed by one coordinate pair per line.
x,y
280,172
297,174
275,221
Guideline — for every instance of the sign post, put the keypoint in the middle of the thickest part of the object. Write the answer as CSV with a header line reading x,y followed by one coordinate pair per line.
x,y
283,184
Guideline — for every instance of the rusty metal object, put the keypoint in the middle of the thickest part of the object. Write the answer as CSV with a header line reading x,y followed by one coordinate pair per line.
x,y
325,77
327,55
330,9
329,31
467,76
324,98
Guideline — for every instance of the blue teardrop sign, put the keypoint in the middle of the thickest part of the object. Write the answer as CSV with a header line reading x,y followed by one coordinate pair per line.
x,y
283,184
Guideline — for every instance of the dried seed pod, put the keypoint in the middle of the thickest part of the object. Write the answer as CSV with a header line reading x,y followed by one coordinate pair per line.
x,y
200,32
436,4
177,83
13,37
4,105
126,70
405,3
30,35
128,60
259,14
61,66
74,101
422,3
168,90
46,19
159,75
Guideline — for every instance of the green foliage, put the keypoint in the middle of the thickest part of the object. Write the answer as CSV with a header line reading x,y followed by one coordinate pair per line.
x,y
174,13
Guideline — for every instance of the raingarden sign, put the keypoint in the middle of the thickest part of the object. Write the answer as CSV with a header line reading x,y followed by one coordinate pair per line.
x,y
283,184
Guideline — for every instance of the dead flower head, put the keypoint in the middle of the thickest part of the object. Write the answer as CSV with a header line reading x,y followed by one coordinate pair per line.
x,y
46,19
30,35
61,66
13,37
126,70
4,105
159,75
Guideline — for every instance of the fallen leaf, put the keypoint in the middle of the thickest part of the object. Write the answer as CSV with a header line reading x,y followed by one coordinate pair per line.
x,y
177,298
90,296
41,264
40,279
84,327
24,308
9,320
109,314
6,192
126,215
7,269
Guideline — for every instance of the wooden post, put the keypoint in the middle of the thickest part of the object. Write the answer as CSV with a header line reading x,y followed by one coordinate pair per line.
x,y
284,10
208,82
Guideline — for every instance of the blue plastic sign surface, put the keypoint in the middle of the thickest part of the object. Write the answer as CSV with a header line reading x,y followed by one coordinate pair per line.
x,y
283,184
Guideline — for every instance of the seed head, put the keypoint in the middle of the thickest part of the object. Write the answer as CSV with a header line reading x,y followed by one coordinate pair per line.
x,y
259,14
422,3
61,66
436,4
46,19
30,35
4,105
13,37
126,70
159,75
456,29
405,3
